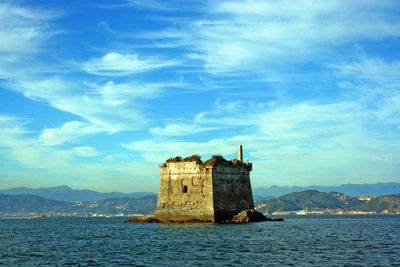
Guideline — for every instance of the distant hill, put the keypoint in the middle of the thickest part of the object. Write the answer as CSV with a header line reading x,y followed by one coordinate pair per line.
x,y
378,189
314,200
125,205
23,204
379,204
26,204
311,200
258,197
65,193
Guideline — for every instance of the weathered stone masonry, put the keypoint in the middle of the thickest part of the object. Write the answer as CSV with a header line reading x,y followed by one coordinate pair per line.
x,y
196,191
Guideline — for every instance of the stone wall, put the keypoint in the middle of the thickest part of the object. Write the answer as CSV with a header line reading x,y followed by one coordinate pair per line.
x,y
185,192
231,191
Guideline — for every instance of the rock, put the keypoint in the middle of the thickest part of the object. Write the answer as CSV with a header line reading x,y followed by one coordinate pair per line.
x,y
251,215
246,216
152,219
146,219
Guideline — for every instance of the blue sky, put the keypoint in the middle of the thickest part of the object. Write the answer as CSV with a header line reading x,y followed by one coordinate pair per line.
x,y
95,94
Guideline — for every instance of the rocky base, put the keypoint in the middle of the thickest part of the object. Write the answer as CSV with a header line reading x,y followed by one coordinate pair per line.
x,y
245,216
146,219
150,219
251,215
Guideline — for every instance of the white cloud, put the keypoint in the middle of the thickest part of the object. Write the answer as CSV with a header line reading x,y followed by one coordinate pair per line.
x,y
115,64
140,4
263,36
12,125
143,170
119,94
17,145
68,132
370,99
383,73
180,129
290,139
28,162
157,152
85,151
302,157
24,33
256,34
375,84
23,30
236,113
354,137
110,107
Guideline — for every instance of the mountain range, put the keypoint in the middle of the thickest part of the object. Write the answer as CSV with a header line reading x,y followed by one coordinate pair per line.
x,y
63,199
313,200
378,189
24,204
11,205
65,193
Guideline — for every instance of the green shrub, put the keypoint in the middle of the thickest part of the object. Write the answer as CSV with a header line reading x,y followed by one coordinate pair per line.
x,y
218,160
194,157
173,160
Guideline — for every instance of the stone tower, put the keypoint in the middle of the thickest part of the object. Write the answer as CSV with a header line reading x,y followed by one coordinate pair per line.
x,y
213,191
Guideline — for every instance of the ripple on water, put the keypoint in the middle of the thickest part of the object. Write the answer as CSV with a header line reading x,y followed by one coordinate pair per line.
x,y
312,240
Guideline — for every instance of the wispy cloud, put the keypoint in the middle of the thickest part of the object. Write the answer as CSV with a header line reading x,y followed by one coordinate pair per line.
x,y
68,132
169,6
262,36
79,166
383,73
157,152
19,144
180,129
115,64
16,144
376,84
85,151
94,102
286,80
251,34
23,30
354,136
12,125
137,4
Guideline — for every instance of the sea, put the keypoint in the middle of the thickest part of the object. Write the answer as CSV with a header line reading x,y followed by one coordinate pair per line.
x,y
329,240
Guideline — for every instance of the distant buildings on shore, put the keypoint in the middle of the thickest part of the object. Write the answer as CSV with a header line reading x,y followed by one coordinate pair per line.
x,y
329,212
316,211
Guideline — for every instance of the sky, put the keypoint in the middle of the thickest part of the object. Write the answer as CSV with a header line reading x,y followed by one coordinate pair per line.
x,y
95,94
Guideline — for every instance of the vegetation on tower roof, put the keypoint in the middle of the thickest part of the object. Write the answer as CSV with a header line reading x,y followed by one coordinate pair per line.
x,y
220,160
192,158
173,160
214,160
217,160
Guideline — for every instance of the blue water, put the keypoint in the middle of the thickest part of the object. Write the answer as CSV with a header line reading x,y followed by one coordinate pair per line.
x,y
300,240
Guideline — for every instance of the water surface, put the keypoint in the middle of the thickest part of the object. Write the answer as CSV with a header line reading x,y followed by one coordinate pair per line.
x,y
299,240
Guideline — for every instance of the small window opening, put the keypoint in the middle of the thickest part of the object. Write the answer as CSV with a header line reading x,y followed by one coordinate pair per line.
x,y
184,189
